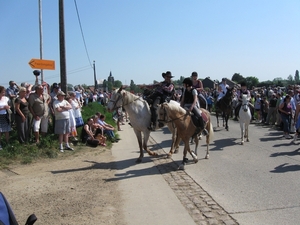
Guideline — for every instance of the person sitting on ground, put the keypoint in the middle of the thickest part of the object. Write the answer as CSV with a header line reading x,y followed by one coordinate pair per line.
x,y
189,100
108,129
88,136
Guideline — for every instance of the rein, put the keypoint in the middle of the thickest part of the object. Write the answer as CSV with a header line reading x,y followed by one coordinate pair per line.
x,y
120,97
166,118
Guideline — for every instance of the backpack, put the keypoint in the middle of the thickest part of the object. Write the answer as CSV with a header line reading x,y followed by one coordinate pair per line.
x,y
7,216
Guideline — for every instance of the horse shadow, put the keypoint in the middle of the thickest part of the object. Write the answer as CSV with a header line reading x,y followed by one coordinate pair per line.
x,y
293,153
283,168
221,143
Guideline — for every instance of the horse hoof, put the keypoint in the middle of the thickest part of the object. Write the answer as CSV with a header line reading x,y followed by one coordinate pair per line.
x,y
207,157
176,151
139,160
181,167
169,156
242,143
196,160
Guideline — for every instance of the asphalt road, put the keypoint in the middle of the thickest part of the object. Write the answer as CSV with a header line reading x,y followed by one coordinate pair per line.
x,y
256,183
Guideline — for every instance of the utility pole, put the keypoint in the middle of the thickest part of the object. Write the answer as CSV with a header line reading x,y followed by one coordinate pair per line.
x,y
63,71
95,79
41,38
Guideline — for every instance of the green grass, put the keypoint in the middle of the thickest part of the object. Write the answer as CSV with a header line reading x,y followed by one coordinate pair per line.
x,y
14,152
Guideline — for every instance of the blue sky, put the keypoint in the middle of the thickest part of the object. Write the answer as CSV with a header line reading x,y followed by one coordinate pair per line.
x,y
139,39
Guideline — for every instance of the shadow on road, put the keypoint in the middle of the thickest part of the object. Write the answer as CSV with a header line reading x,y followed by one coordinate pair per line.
x,y
286,168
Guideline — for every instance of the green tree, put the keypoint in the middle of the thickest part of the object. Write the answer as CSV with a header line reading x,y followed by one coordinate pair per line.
x,y
109,86
237,78
297,77
117,84
252,81
290,79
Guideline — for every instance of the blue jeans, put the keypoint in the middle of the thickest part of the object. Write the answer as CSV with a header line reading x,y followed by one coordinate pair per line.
x,y
109,133
286,119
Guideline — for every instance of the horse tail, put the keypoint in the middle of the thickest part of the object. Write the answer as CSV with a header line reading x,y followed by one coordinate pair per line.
x,y
211,132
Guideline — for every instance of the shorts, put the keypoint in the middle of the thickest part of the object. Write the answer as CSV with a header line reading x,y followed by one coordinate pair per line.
x,y
42,124
62,126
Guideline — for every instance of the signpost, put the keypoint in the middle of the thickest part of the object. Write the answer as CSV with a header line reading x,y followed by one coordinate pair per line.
x,y
42,64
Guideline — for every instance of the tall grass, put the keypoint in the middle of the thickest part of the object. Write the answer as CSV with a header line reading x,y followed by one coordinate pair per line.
x,y
14,152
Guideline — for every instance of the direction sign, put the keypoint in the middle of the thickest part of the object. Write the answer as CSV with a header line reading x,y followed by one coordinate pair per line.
x,y
42,64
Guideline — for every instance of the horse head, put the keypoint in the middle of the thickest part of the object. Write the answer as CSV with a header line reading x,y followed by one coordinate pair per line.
x,y
162,116
245,103
116,99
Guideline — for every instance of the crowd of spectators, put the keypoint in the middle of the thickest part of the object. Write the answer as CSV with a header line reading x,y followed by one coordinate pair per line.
x,y
30,109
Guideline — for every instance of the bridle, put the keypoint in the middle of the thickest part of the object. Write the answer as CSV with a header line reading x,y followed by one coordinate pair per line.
x,y
166,119
120,98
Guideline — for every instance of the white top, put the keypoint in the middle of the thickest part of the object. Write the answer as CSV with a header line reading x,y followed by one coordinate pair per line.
x,y
3,102
63,114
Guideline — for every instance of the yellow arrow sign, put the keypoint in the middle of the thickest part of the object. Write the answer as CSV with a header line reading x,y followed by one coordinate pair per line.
x,y
42,64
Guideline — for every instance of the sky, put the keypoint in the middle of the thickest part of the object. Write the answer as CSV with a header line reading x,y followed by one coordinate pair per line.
x,y
140,39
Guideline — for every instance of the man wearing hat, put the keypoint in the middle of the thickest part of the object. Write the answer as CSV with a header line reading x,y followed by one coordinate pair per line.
x,y
222,89
38,106
164,90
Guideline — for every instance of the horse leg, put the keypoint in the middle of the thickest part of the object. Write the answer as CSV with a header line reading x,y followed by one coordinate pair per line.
x,y
246,132
185,150
175,143
217,115
242,133
226,121
139,138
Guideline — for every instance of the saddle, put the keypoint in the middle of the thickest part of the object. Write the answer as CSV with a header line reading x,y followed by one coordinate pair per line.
x,y
197,123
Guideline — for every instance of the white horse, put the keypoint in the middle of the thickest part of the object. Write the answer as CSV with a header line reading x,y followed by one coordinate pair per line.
x,y
244,118
140,116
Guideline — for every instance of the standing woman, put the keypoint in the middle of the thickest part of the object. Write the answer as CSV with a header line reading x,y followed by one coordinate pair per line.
x,y
285,109
21,116
4,117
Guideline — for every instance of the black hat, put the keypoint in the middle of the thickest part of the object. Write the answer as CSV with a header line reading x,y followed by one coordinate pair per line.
x,y
224,79
168,74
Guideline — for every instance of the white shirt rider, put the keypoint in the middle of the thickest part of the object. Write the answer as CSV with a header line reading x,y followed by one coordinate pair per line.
x,y
222,89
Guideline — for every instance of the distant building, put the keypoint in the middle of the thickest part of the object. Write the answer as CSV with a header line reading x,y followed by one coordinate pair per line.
x,y
208,83
111,78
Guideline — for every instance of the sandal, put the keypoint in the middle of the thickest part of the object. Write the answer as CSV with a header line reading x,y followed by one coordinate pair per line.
x,y
103,144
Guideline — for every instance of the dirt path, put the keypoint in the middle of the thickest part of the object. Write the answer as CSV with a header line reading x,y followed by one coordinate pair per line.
x,y
69,190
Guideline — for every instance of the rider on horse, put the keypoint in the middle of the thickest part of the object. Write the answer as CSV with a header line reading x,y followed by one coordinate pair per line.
x,y
243,91
197,84
164,90
189,100
222,89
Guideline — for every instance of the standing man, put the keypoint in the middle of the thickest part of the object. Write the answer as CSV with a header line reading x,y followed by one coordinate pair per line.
x,y
222,89
163,90
12,93
38,106
62,126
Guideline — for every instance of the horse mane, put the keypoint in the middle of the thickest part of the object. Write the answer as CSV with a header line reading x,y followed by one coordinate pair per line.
x,y
176,107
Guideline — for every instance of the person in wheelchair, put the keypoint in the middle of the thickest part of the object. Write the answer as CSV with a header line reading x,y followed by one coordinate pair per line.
x,y
189,101
163,91
244,91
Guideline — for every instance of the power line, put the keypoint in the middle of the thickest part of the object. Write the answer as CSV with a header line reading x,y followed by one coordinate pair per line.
x,y
82,34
